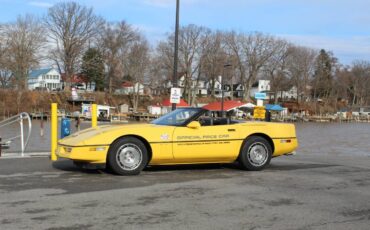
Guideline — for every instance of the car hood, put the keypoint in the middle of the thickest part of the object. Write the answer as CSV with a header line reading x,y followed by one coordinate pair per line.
x,y
101,135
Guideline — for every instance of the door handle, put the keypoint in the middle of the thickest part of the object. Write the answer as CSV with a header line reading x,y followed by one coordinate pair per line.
x,y
231,130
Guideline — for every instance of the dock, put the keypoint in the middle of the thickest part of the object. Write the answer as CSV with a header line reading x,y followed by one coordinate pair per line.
x,y
143,116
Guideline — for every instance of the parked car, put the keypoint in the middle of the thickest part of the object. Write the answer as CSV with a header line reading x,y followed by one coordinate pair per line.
x,y
184,136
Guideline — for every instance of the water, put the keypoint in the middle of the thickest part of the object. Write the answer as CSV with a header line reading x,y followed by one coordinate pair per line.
x,y
37,143
314,138
334,138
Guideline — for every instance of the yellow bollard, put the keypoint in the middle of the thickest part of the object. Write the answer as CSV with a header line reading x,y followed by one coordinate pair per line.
x,y
94,115
54,131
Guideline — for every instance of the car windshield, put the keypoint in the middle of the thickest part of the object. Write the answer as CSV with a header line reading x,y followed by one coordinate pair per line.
x,y
178,117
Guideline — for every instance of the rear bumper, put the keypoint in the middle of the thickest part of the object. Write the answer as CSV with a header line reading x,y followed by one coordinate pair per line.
x,y
285,146
91,154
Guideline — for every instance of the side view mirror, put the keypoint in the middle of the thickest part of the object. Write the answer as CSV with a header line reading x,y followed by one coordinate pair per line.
x,y
194,125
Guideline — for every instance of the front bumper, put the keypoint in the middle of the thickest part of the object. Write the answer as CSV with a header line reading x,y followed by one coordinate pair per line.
x,y
91,154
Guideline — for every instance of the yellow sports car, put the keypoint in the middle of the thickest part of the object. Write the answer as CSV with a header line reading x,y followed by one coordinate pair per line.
x,y
184,136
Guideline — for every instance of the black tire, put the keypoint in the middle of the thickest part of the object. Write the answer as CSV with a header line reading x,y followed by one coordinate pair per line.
x,y
255,154
127,156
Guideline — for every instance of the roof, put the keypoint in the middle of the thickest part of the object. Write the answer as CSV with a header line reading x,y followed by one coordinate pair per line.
x,y
166,102
37,72
126,84
228,105
273,107
235,86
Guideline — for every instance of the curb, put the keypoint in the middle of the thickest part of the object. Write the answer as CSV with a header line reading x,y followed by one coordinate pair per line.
x,y
26,155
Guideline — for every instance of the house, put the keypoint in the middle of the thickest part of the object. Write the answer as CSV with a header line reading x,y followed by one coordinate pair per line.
x,y
201,87
154,109
79,81
123,108
180,82
238,90
128,87
289,94
364,111
260,86
48,78
216,83
159,90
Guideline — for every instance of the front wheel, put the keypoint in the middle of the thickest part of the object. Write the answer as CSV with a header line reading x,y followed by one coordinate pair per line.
x,y
255,154
127,156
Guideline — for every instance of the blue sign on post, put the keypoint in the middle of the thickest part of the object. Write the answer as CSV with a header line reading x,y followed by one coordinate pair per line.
x,y
260,96
65,127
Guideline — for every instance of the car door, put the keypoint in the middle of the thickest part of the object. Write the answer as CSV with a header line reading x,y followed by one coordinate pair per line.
x,y
214,143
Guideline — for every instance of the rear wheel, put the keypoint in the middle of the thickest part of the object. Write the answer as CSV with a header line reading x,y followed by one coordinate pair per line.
x,y
256,153
127,156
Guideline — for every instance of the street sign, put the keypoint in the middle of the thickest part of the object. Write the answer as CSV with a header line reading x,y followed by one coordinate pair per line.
x,y
175,95
261,96
259,112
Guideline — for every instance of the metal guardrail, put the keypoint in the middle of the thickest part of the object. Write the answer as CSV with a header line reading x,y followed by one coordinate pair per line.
x,y
24,141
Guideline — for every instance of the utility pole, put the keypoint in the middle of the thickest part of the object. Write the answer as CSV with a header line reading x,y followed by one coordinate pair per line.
x,y
174,78
222,89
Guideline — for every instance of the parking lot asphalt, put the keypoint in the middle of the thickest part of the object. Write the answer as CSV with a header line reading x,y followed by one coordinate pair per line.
x,y
308,191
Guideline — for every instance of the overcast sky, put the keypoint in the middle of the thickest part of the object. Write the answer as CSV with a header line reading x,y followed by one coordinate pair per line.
x,y
340,26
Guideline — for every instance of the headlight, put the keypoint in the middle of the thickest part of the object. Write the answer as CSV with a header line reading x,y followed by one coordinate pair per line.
x,y
68,149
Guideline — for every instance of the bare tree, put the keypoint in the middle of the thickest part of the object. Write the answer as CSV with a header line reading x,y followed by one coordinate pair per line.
x,y
276,67
360,82
191,43
162,63
136,67
23,41
213,59
300,66
5,72
115,41
71,27
252,52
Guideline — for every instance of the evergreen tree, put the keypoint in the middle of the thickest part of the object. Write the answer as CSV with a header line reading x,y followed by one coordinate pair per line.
x,y
93,67
323,77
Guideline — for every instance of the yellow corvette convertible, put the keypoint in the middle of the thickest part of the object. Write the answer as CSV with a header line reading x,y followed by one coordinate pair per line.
x,y
184,136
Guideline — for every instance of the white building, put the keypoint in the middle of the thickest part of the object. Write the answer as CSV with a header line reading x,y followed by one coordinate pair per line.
x,y
261,86
198,87
130,88
216,86
154,109
289,94
44,78
103,111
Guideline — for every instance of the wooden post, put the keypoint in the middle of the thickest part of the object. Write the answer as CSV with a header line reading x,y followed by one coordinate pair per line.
x,y
94,115
54,131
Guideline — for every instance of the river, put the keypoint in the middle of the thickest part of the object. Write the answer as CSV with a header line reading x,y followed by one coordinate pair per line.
x,y
314,138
